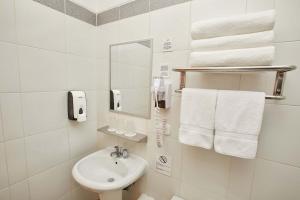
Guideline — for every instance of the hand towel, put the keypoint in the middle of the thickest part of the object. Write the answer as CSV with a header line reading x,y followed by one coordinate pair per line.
x,y
251,40
235,25
261,56
239,116
197,117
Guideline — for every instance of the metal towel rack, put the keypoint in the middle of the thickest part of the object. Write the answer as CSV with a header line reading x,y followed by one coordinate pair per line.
x,y
279,80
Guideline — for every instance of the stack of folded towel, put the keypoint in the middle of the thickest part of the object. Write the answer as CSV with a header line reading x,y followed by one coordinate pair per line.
x,y
244,40
229,120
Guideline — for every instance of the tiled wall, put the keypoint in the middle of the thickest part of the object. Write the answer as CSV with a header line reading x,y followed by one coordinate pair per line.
x,y
198,174
43,54
133,8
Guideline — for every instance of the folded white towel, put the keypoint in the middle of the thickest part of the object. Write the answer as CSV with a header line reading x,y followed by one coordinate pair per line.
x,y
251,40
197,117
235,25
239,117
239,57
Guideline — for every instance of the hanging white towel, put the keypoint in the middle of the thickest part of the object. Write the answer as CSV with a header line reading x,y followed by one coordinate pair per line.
x,y
197,117
261,56
238,122
251,40
235,25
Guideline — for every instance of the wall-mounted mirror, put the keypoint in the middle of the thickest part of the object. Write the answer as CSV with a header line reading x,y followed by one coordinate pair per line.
x,y
130,78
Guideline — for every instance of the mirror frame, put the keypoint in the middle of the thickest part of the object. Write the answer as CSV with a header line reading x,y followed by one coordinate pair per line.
x,y
148,116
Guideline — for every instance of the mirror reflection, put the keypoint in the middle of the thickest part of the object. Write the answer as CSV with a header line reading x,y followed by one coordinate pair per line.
x,y
130,78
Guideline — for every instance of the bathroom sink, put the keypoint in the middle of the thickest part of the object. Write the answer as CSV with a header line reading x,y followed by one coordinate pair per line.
x,y
101,173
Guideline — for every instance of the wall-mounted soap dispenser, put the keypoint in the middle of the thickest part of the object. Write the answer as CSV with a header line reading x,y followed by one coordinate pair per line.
x,y
116,100
77,106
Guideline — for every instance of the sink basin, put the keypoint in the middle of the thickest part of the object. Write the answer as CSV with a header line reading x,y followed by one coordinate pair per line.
x,y
101,173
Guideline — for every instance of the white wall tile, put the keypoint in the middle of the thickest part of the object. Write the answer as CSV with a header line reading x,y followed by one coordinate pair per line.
x,y
46,150
80,37
7,21
20,191
173,116
9,69
103,107
192,192
1,127
66,196
171,148
41,27
286,54
275,181
4,194
11,115
173,60
81,73
105,140
80,194
205,170
106,35
83,137
162,27
287,27
263,82
51,184
44,111
42,70
260,5
207,9
213,81
3,168
240,180
102,71
91,98
38,62
279,139
16,160
159,186
205,175
72,162
140,25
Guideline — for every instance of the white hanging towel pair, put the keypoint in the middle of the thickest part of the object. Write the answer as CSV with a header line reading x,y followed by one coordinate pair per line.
x,y
244,40
228,120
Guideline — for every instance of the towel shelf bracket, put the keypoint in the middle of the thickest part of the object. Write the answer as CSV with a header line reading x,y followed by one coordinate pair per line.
x,y
279,80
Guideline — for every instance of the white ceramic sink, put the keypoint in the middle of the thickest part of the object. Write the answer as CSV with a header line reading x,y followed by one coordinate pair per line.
x,y
101,173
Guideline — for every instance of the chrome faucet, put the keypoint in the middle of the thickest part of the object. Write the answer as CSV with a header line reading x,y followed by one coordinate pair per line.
x,y
120,152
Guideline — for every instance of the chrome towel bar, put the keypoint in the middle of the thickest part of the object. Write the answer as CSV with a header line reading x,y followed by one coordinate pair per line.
x,y
279,80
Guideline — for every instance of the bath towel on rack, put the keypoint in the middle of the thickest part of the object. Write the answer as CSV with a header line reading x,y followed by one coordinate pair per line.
x,y
239,116
197,117
235,25
251,40
261,56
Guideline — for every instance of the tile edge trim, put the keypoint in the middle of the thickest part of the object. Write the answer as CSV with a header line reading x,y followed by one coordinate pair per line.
x,y
113,18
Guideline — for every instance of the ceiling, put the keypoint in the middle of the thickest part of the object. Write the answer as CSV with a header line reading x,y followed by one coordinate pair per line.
x,y
98,6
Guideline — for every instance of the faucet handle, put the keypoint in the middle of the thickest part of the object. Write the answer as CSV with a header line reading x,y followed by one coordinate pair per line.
x,y
117,148
125,153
